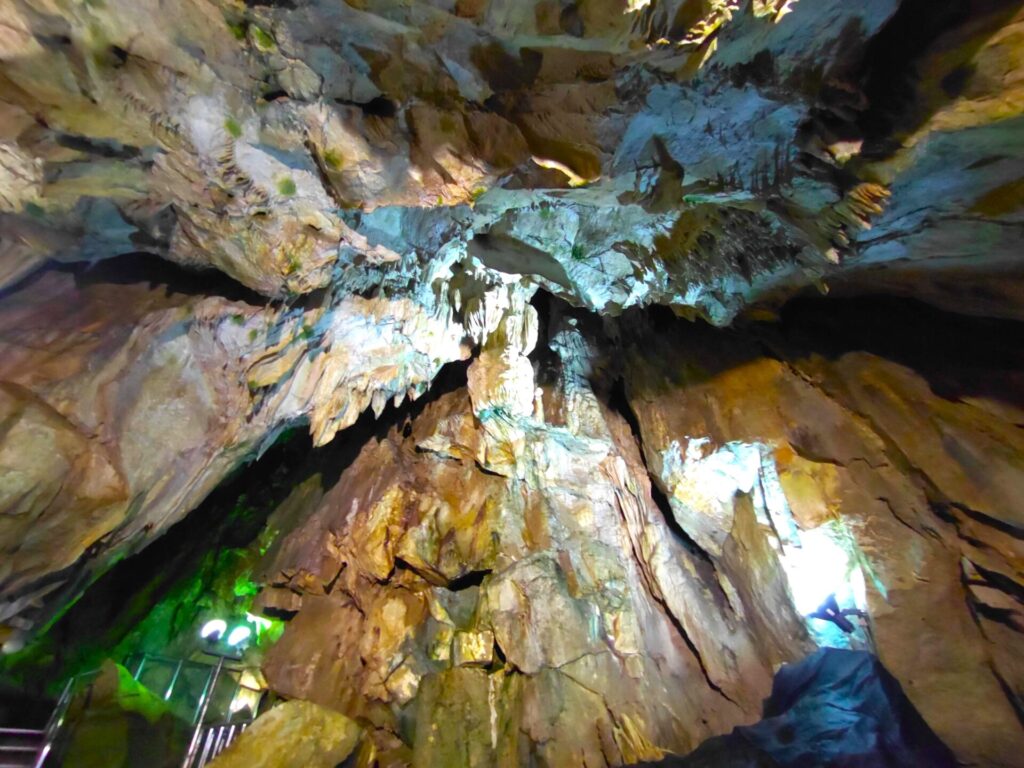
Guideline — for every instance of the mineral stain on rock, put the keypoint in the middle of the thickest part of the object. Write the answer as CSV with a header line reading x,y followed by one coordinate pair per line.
x,y
629,337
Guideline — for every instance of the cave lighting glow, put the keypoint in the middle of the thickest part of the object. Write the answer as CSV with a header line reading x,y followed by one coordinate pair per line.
x,y
259,622
822,566
818,562
239,635
213,629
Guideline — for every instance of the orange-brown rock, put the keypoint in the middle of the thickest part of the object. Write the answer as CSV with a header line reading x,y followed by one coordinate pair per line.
x,y
920,484
221,220
613,639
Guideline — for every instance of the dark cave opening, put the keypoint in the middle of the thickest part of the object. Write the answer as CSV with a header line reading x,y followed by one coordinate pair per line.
x,y
960,355
149,269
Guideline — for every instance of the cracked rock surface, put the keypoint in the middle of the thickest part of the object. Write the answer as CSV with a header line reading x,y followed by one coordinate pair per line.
x,y
221,221
609,619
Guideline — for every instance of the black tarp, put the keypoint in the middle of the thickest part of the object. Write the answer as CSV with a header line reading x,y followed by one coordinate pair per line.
x,y
836,709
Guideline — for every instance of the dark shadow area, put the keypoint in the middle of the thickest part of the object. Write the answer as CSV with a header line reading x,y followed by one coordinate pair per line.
x,y
379,106
682,352
617,401
546,364
109,148
284,4
467,580
892,61
959,355
506,254
155,271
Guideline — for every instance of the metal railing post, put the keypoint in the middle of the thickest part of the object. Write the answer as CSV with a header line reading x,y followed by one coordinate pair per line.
x,y
55,722
207,695
174,680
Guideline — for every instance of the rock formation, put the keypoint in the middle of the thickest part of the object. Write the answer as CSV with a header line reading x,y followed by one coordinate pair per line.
x,y
222,220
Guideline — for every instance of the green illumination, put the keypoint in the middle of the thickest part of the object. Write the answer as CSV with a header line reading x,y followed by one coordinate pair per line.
x,y
164,613
245,587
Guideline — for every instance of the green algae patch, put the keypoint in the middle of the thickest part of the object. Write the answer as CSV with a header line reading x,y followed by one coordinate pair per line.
x,y
286,186
231,126
262,39
333,159
238,28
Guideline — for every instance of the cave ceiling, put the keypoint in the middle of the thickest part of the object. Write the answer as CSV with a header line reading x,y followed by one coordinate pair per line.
x,y
222,221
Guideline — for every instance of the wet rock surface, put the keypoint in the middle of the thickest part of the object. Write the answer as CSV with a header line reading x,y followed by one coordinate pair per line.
x,y
222,221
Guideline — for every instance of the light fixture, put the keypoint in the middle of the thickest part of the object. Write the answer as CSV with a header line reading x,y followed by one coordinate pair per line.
x,y
213,630
239,635
259,622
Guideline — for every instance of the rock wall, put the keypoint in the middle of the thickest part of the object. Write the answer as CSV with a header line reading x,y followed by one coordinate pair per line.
x,y
221,220
921,483
388,178
497,582
491,587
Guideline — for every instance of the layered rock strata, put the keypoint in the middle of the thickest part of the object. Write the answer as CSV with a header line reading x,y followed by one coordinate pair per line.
x,y
498,582
412,169
622,517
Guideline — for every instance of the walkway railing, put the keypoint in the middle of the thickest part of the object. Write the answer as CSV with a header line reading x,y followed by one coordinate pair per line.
x,y
19,747
189,687
214,739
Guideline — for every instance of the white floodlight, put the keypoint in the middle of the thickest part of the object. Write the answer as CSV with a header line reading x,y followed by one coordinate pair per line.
x,y
213,630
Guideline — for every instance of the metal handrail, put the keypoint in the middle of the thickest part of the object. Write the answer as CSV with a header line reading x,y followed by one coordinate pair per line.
x,y
60,711
214,739
52,731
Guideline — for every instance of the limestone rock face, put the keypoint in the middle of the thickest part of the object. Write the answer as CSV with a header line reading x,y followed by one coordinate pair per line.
x,y
912,479
516,573
698,154
294,734
123,412
412,171
492,589
221,220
